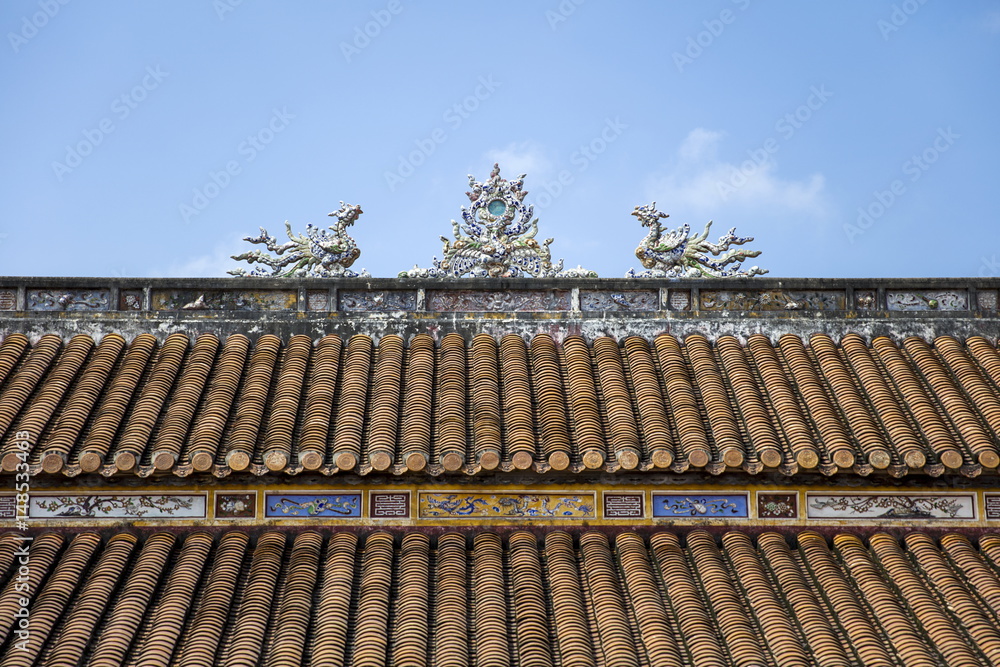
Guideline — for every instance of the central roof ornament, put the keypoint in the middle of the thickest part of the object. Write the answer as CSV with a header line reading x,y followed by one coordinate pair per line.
x,y
496,238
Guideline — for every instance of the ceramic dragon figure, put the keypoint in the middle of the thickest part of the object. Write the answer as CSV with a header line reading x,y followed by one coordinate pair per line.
x,y
677,254
315,254
496,237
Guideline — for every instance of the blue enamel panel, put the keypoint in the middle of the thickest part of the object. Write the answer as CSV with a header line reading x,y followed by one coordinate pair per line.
x,y
722,506
308,505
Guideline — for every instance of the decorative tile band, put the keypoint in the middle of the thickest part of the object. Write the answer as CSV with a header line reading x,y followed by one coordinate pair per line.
x,y
925,506
333,504
506,505
701,504
118,506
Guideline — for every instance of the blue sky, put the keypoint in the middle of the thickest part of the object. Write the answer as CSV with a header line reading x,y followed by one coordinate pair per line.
x,y
850,138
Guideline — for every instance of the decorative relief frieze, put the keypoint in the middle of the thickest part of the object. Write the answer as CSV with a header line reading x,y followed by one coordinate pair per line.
x,y
490,301
69,300
680,299
118,506
236,505
463,505
865,299
777,505
927,300
759,300
333,504
626,300
701,504
378,302
891,506
233,300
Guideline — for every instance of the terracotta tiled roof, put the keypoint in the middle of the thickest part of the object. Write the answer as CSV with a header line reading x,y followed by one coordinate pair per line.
x,y
340,598
331,405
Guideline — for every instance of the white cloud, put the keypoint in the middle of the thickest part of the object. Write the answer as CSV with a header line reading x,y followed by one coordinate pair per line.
x,y
701,182
992,22
518,158
211,265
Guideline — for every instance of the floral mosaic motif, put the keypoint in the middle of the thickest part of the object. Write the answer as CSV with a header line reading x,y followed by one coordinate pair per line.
x,y
679,504
378,302
773,300
954,506
71,300
679,254
130,300
313,505
8,300
632,300
864,299
496,237
987,299
316,254
777,505
475,300
927,301
124,507
235,505
508,505
224,300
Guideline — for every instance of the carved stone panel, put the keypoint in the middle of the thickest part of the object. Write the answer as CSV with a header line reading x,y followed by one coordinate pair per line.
x,y
383,301
759,300
626,300
69,300
987,299
130,300
492,301
927,300
865,299
680,299
237,300
8,299
318,300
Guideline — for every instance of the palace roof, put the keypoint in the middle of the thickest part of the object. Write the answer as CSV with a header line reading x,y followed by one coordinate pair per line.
x,y
479,598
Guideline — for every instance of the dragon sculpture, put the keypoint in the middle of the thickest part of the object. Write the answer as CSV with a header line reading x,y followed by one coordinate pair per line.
x,y
315,254
677,254
496,238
